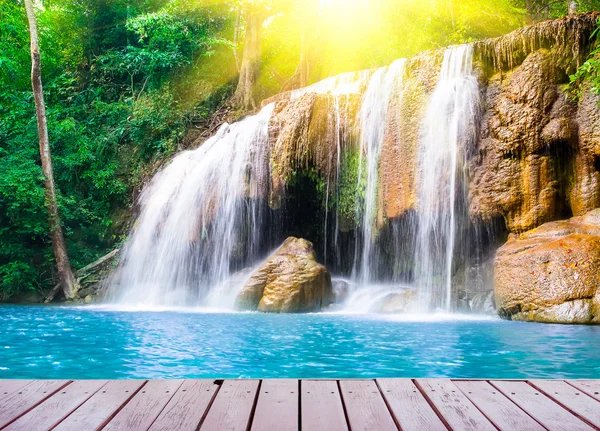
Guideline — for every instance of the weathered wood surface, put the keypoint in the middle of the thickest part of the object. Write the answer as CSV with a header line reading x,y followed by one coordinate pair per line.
x,y
279,396
543,409
321,406
273,405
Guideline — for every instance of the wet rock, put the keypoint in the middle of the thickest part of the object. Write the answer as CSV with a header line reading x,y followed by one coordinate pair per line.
x,y
552,273
289,281
340,289
483,303
460,302
87,291
517,174
399,150
402,301
307,132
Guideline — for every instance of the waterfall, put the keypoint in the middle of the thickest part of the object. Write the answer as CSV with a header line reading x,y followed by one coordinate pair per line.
x,y
442,213
201,218
205,216
340,88
343,83
384,84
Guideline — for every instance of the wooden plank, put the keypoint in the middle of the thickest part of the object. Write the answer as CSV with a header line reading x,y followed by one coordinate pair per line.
x,y
501,411
100,408
7,387
572,398
453,406
365,407
409,407
590,387
188,406
232,407
552,416
143,409
56,408
321,406
18,403
277,406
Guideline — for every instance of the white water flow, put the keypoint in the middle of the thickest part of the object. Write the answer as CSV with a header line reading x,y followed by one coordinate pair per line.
x,y
384,84
198,217
340,87
343,83
448,130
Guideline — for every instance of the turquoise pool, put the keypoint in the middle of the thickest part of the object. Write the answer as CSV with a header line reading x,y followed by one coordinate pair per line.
x,y
80,342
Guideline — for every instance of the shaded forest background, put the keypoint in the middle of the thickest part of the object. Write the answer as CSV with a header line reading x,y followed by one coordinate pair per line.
x,y
128,83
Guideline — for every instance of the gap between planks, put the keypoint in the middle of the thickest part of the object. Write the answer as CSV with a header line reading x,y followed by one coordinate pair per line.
x,y
403,404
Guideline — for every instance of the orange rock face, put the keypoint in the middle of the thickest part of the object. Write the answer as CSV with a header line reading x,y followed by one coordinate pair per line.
x,y
289,281
552,273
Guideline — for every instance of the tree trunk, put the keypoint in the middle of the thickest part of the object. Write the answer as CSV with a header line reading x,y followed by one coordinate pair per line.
x,y
572,7
304,65
236,32
246,96
65,274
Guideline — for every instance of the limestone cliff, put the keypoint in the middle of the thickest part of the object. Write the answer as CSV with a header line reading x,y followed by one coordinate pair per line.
x,y
538,152
535,157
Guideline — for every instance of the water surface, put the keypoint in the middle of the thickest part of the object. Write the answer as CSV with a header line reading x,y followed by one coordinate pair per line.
x,y
87,342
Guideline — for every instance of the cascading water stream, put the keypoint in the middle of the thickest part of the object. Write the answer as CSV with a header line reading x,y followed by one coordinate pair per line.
x,y
383,85
343,83
205,216
194,217
448,130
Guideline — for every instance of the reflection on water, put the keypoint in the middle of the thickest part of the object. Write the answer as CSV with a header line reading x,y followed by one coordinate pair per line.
x,y
61,342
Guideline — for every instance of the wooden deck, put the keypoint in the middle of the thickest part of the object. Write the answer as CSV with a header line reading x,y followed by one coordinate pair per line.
x,y
328,405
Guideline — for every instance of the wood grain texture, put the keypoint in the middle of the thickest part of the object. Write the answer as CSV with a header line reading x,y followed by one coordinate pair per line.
x,y
7,387
56,408
277,406
501,411
232,407
321,406
188,406
409,407
143,409
20,402
365,407
273,405
590,387
456,409
100,408
573,399
548,413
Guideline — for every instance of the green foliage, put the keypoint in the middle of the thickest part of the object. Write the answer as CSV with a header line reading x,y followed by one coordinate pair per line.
x,y
116,79
351,192
587,75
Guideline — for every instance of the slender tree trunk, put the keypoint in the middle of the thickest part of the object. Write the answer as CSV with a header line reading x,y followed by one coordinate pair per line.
x,y
65,274
236,33
246,96
304,65
572,7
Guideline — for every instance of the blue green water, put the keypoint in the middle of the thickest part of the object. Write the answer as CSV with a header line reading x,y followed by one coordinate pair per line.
x,y
63,342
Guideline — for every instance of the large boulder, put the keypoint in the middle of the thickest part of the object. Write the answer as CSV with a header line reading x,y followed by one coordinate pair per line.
x,y
289,281
552,273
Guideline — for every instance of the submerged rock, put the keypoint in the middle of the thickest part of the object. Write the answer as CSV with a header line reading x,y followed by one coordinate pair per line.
x,y
290,281
552,273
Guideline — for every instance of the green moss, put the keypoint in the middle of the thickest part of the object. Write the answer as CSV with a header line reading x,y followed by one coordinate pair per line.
x,y
351,192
